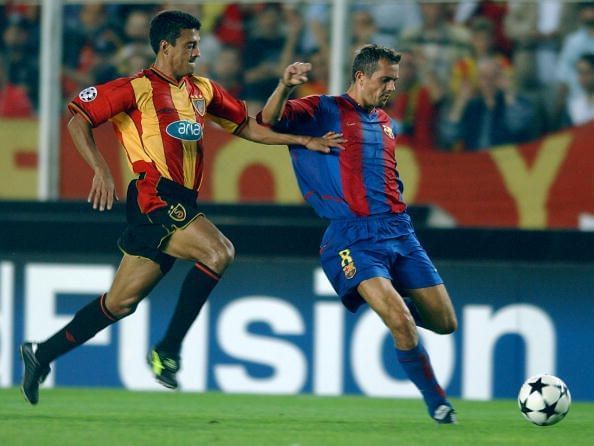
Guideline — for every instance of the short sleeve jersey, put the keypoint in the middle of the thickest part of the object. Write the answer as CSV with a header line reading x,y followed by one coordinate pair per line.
x,y
160,121
360,180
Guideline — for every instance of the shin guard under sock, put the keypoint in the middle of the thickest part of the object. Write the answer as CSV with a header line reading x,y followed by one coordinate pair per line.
x,y
87,322
418,368
197,285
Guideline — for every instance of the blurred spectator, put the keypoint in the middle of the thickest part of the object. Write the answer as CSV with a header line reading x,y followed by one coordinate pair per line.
x,y
20,61
89,45
536,29
27,16
365,31
580,107
316,27
574,45
466,11
318,76
14,102
495,116
437,44
135,39
393,18
414,108
230,27
482,47
227,71
268,49
135,64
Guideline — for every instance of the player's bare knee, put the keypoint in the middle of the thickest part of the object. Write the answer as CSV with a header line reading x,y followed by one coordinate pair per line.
x,y
403,328
217,256
221,255
449,325
228,251
122,307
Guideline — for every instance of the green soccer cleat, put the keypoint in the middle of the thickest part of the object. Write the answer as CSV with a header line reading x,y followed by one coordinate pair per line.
x,y
34,373
164,367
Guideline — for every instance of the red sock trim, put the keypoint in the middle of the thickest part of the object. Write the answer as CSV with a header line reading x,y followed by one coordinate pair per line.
x,y
206,270
104,309
69,337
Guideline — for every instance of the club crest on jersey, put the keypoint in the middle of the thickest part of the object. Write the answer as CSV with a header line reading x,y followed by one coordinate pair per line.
x,y
199,105
185,130
177,212
346,261
388,131
88,94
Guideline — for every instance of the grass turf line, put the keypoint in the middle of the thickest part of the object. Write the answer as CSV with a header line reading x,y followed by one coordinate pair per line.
x,y
89,417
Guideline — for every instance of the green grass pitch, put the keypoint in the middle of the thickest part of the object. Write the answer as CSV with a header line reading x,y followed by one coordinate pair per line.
x,y
109,417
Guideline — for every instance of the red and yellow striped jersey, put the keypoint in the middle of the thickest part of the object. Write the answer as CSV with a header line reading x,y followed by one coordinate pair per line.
x,y
160,122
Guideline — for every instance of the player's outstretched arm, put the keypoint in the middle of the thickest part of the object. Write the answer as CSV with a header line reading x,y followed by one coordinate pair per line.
x,y
294,75
102,193
258,133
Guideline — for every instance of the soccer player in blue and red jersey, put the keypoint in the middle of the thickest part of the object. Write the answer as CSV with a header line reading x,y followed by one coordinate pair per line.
x,y
369,252
158,115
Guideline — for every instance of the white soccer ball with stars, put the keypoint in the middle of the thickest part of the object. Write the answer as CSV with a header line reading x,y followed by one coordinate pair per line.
x,y
544,400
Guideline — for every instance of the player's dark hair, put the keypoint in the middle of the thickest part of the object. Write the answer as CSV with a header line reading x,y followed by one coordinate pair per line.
x,y
588,58
367,58
168,25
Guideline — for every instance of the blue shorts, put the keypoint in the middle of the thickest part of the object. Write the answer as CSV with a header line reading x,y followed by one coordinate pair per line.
x,y
386,246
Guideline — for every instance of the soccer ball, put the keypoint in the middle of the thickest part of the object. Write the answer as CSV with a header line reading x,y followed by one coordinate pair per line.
x,y
544,400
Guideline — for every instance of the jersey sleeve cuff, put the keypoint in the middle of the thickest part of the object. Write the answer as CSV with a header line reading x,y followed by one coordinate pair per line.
x,y
75,109
260,122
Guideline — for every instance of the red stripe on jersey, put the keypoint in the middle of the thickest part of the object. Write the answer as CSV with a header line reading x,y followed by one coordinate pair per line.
x,y
119,137
390,174
199,166
195,92
136,117
106,101
225,106
351,159
166,114
148,200
302,108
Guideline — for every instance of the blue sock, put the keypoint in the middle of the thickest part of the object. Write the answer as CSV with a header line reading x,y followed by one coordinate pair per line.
x,y
418,368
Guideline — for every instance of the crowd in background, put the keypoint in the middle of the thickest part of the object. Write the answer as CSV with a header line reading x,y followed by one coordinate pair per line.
x,y
473,74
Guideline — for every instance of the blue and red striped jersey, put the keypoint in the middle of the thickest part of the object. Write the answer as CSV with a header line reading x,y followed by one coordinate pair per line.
x,y
360,180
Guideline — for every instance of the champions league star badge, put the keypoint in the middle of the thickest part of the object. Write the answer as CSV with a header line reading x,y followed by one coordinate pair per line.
x,y
199,105
88,94
388,131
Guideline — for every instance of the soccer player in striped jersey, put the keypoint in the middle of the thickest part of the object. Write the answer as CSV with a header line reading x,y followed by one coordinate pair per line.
x,y
158,116
369,251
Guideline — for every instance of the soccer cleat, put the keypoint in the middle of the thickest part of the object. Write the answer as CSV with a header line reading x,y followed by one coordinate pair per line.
x,y
34,373
445,414
164,368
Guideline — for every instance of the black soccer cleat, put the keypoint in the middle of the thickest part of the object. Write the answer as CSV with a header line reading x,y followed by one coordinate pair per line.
x,y
445,414
34,373
164,368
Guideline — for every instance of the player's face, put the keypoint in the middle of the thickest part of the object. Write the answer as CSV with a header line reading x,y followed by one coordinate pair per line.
x,y
182,56
377,89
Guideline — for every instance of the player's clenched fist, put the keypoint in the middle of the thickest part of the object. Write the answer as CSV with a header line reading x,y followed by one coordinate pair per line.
x,y
296,74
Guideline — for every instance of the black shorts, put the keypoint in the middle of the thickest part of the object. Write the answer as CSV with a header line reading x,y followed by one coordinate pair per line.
x,y
147,234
